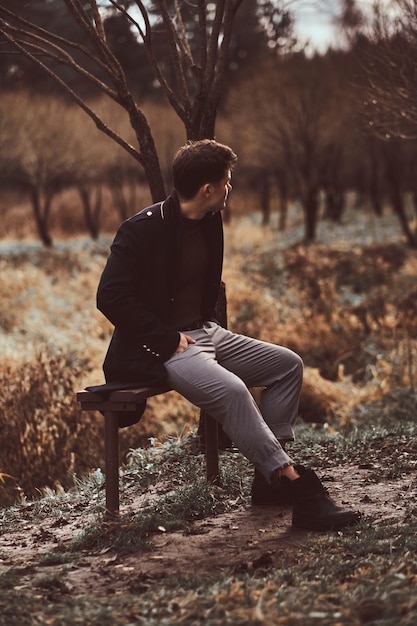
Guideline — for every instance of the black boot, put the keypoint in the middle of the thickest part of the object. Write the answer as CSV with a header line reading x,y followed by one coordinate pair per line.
x,y
313,508
264,493
277,493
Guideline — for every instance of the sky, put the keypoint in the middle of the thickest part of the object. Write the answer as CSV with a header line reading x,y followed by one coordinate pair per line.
x,y
314,20
317,29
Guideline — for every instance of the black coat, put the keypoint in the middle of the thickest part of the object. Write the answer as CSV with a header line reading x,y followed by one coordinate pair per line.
x,y
136,291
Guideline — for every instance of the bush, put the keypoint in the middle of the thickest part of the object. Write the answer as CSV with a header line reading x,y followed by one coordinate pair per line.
x,y
45,438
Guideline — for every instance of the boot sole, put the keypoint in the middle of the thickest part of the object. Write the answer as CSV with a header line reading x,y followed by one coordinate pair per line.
x,y
343,522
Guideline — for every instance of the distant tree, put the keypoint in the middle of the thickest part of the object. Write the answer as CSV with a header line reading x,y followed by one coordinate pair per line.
x,y
99,162
193,90
368,172
32,153
48,145
390,102
131,55
390,70
350,20
102,163
340,140
263,29
293,114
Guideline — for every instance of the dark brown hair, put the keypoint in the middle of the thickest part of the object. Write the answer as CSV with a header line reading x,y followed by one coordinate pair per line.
x,y
200,162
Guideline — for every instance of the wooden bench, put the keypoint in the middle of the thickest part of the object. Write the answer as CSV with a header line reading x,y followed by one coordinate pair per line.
x,y
130,400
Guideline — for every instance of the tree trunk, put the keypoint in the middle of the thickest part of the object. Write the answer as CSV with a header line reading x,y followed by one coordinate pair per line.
x,y
265,199
149,156
131,203
283,202
41,214
375,193
397,200
91,216
394,166
414,204
375,178
311,211
119,200
334,200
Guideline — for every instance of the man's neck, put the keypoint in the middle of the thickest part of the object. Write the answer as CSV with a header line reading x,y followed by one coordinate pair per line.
x,y
192,210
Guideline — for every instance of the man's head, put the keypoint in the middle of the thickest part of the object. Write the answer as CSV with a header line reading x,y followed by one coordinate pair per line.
x,y
199,163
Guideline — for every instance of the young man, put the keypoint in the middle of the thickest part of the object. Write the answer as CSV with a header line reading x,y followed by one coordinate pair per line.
x,y
159,289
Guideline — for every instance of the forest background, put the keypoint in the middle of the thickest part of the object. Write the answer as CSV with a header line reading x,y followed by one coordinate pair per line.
x,y
321,235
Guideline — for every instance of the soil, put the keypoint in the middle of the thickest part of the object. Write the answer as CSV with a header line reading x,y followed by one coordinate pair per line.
x,y
240,541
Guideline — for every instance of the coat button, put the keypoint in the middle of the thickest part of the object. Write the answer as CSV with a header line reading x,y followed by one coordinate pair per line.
x,y
149,213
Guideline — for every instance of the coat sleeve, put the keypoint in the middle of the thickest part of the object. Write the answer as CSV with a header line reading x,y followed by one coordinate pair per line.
x,y
120,293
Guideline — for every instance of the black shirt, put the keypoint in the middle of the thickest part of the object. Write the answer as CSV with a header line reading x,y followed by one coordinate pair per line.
x,y
192,266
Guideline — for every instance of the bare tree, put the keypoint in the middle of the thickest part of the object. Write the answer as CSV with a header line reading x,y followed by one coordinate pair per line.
x,y
193,90
390,66
38,152
303,108
390,104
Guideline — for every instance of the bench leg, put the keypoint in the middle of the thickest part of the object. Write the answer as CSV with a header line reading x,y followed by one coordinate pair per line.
x,y
111,460
212,450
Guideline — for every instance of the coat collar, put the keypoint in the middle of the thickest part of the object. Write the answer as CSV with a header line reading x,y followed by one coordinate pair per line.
x,y
169,209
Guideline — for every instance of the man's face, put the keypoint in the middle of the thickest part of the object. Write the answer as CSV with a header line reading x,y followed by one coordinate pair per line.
x,y
221,192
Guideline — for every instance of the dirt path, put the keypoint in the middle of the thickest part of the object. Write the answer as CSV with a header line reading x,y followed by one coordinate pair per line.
x,y
243,540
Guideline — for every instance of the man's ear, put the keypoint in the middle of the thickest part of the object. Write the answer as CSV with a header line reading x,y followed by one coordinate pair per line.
x,y
206,190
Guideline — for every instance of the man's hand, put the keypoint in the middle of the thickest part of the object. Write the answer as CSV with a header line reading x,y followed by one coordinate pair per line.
x,y
183,344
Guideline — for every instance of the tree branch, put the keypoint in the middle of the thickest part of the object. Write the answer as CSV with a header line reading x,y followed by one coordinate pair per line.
x,y
30,26
202,22
54,52
98,21
176,59
148,43
80,15
81,103
181,37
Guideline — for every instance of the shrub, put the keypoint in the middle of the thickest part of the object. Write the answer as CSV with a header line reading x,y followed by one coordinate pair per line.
x,y
44,437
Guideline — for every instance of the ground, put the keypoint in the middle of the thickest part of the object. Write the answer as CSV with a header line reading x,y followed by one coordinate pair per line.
x,y
263,571
239,541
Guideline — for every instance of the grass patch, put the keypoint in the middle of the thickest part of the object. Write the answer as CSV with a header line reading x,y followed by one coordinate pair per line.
x,y
363,575
390,448
330,584
57,557
183,495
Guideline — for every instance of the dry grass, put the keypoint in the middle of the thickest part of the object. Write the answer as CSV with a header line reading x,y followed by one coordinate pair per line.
x,y
349,310
347,304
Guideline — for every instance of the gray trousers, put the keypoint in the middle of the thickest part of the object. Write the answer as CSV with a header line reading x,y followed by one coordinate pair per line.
x,y
215,374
